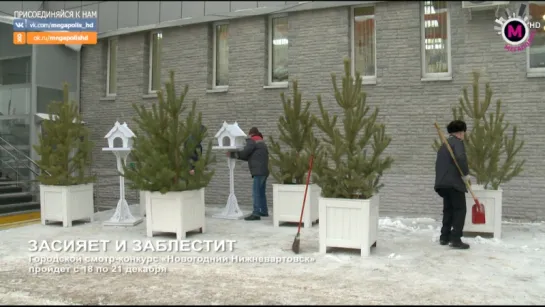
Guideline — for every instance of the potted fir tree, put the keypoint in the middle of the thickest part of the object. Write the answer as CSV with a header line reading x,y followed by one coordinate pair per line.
x,y
289,161
349,167
64,147
166,142
491,154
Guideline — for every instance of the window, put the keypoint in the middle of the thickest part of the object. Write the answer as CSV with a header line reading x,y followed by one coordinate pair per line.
x,y
436,60
363,42
536,52
221,56
278,50
111,82
155,61
15,70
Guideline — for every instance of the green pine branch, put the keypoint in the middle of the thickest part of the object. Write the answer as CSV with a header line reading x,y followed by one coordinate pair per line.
x,y
64,145
164,144
351,161
291,152
490,150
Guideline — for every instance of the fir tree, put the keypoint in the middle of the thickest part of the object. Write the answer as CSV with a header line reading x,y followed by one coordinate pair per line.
x,y
290,154
165,144
490,151
350,163
64,146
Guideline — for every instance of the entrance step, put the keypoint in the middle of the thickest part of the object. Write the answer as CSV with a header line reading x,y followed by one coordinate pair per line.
x,y
19,224
19,217
20,207
15,198
10,188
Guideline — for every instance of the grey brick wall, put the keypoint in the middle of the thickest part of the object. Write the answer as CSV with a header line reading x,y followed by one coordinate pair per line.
x,y
318,42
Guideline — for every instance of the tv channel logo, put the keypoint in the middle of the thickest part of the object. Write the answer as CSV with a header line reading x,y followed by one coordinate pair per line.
x,y
516,30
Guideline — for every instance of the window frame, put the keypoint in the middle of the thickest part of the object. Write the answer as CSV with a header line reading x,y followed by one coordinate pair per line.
x,y
109,67
365,79
270,50
215,53
150,61
437,75
539,71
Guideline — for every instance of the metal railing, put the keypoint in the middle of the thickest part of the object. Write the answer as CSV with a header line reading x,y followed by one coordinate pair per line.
x,y
33,166
15,163
22,171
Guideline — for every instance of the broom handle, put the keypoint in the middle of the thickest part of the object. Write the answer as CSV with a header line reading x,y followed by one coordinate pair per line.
x,y
306,189
444,140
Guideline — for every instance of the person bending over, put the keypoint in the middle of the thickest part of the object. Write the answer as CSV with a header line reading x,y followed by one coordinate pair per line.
x,y
257,154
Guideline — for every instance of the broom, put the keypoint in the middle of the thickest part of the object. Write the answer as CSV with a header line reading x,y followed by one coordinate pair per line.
x,y
477,210
297,241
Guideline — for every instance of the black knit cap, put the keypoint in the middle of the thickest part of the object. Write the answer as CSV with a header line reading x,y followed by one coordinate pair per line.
x,y
457,126
255,131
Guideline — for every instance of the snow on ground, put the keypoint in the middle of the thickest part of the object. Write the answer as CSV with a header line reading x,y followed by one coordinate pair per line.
x,y
407,267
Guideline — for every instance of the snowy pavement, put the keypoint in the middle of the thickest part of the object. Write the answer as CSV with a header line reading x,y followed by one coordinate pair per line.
x,y
407,267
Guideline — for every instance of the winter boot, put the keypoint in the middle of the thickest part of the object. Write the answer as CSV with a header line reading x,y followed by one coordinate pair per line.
x,y
458,244
252,217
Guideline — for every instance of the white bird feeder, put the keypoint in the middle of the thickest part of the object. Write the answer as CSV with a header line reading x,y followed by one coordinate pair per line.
x,y
122,133
230,138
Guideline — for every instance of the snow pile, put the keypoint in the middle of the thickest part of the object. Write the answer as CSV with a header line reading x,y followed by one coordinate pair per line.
x,y
418,224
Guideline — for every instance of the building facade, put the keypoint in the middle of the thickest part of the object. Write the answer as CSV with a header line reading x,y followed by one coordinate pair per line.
x,y
237,57
31,77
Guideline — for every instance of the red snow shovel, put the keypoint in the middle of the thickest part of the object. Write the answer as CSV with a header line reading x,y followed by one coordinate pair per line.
x,y
477,210
296,241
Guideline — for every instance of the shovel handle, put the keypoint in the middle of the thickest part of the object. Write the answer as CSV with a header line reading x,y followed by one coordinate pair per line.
x,y
444,140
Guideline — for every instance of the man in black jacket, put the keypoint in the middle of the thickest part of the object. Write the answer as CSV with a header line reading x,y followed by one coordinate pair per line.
x,y
198,151
451,185
257,155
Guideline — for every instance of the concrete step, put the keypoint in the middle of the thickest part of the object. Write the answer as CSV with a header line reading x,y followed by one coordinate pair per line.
x,y
20,224
15,198
12,182
10,188
19,208
19,217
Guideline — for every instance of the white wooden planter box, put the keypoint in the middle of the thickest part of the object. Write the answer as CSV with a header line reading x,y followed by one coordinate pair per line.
x,y
143,203
177,212
288,200
349,223
66,203
492,201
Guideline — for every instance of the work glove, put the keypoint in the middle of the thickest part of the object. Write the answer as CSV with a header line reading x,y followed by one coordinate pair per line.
x,y
466,179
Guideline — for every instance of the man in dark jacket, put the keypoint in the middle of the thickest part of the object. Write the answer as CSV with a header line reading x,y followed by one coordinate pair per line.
x,y
257,154
451,185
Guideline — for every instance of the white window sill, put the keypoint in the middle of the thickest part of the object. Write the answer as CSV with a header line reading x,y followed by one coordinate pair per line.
x,y
108,98
535,74
276,86
218,90
368,81
433,79
149,96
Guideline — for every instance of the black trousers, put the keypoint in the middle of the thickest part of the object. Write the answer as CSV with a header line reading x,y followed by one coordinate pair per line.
x,y
454,214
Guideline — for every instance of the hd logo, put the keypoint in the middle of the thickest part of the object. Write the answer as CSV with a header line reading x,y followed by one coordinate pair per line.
x,y
516,28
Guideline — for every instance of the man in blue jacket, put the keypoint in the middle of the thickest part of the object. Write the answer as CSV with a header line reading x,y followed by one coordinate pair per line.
x,y
451,185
